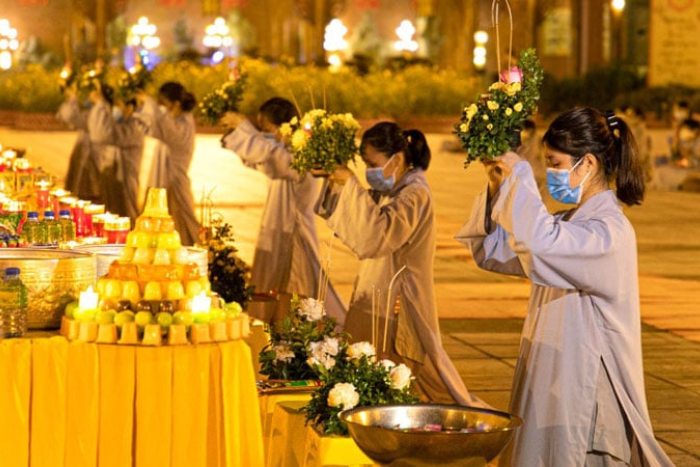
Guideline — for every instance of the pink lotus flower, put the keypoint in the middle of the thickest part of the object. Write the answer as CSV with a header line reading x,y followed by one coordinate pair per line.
x,y
514,75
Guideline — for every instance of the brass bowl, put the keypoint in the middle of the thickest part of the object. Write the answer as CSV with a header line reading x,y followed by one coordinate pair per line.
x,y
109,252
394,435
52,277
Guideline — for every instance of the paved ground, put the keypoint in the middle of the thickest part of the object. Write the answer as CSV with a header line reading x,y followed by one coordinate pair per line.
x,y
481,312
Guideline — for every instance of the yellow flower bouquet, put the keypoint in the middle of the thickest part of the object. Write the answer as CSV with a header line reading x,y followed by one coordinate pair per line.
x,y
321,140
491,126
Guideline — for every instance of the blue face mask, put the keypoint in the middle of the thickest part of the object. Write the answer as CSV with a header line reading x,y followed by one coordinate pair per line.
x,y
560,188
269,136
375,178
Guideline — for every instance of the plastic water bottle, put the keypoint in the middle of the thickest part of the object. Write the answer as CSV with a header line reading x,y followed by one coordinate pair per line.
x,y
54,232
13,304
67,225
33,230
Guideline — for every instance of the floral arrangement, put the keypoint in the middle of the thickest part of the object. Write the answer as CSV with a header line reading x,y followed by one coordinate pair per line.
x,y
133,80
229,275
489,125
352,377
224,99
304,338
321,140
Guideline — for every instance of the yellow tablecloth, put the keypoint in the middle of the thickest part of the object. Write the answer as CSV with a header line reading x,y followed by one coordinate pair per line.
x,y
76,404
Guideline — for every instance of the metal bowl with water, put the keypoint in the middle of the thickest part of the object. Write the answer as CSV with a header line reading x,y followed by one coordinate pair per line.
x,y
52,277
395,435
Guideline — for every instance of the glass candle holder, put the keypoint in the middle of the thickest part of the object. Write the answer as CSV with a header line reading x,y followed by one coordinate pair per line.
x,y
98,223
117,229
89,211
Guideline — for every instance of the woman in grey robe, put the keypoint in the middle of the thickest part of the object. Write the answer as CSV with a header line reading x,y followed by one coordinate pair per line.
x,y
286,256
579,382
129,134
175,128
93,149
391,227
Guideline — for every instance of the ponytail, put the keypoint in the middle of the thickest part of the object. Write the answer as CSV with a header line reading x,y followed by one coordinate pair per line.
x,y
417,151
629,173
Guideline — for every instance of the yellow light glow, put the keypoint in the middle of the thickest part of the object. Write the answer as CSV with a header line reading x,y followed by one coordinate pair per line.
x,y
333,38
405,31
618,5
5,60
481,37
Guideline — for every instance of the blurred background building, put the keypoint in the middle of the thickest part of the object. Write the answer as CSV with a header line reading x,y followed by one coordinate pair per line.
x,y
572,36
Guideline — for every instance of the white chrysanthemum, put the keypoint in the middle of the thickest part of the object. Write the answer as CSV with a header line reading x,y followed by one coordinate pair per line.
x,y
283,353
400,376
343,395
312,309
360,349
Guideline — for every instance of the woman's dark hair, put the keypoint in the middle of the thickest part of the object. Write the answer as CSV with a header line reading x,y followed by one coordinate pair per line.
x,y
389,138
108,93
584,131
176,92
278,110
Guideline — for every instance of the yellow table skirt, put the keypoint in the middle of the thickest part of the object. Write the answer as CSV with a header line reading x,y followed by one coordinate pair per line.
x,y
76,404
291,443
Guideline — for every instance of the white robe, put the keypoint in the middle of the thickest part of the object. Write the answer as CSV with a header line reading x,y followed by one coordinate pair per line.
x,y
388,232
179,134
582,322
286,256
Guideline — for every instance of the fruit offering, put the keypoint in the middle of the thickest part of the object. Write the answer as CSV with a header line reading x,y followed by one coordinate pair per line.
x,y
154,283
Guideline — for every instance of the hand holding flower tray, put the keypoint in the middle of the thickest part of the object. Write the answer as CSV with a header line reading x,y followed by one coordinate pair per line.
x,y
489,125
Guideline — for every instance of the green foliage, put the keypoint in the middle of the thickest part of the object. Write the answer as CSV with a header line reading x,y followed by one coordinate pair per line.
x,y
487,125
229,275
224,99
287,354
33,89
373,383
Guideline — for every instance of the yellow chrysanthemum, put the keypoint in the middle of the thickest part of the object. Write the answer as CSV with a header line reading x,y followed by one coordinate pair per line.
x,y
286,129
518,107
496,86
489,126
509,112
492,105
294,121
485,117
464,127
299,139
471,111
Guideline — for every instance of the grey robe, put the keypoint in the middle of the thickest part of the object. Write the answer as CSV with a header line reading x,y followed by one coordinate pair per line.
x,y
129,138
386,233
178,134
582,322
286,256
83,177
157,172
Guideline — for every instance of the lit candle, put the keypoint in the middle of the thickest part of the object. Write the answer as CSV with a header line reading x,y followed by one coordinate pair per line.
x,y
88,299
201,303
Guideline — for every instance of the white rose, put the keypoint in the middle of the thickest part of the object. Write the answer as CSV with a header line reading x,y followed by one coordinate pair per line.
x,y
312,309
343,395
400,376
323,352
283,353
388,364
358,349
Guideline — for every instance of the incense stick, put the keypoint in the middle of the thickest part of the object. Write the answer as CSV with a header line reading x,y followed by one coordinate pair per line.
x,y
388,304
